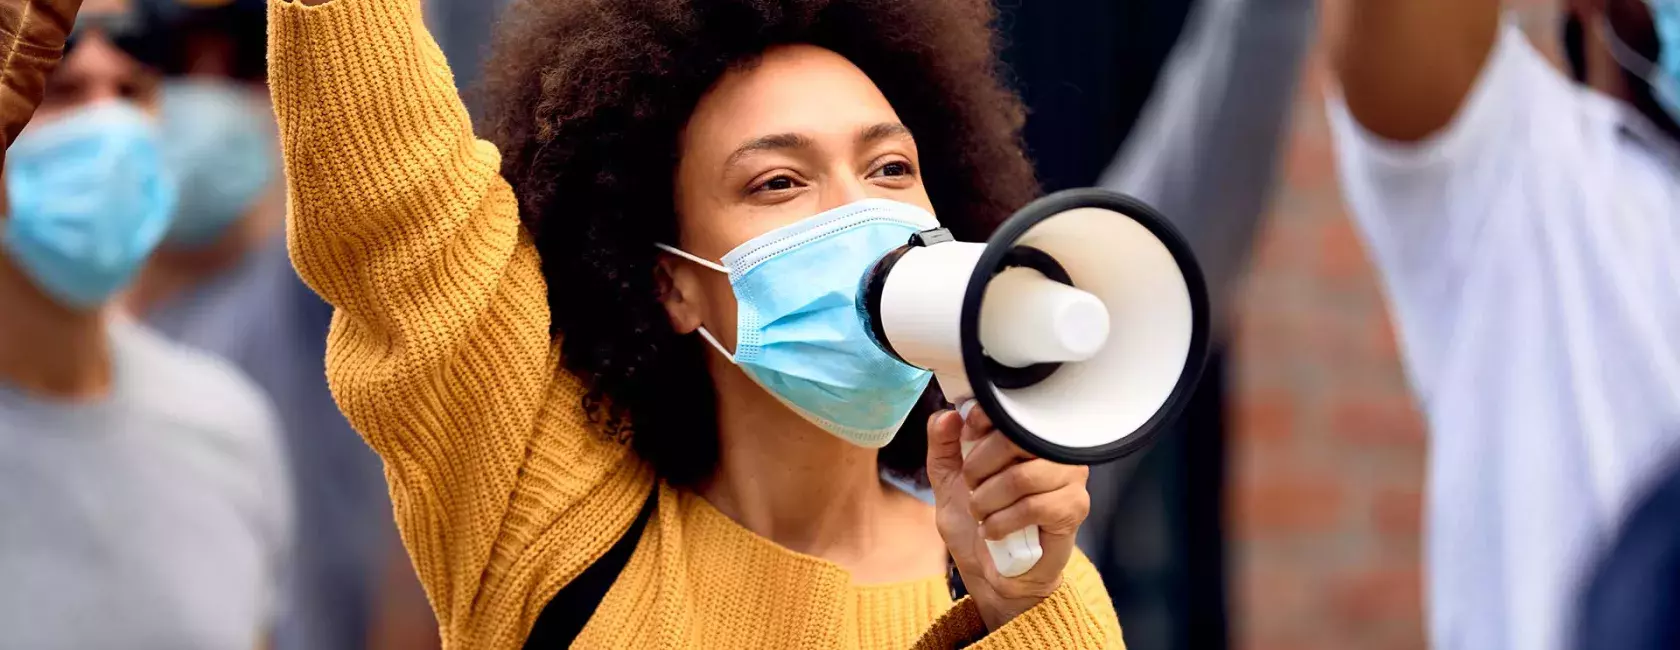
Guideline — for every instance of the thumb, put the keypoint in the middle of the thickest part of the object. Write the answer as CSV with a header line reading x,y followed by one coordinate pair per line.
x,y
944,459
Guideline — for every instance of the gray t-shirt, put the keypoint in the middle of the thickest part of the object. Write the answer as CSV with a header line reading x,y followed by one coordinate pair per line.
x,y
157,517
260,316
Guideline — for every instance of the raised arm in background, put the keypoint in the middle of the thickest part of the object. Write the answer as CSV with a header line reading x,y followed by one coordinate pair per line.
x,y
440,353
1405,66
1205,149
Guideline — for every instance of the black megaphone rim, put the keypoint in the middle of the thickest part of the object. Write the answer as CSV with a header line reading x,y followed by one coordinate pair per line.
x,y
992,261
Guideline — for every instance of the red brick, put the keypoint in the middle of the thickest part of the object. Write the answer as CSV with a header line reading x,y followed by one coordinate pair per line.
x,y
1327,449
1309,165
1383,341
1388,419
1340,252
1398,512
1280,247
1394,594
1316,79
1273,597
1331,22
1264,415
1294,640
1268,506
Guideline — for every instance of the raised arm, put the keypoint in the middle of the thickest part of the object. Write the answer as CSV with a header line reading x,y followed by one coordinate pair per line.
x,y
439,353
1405,66
32,34
1216,120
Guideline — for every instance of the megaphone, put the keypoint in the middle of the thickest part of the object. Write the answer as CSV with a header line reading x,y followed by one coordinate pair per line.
x,y
1080,328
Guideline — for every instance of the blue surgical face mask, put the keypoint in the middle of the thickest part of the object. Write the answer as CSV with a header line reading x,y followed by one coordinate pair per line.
x,y
220,143
797,329
1663,75
89,201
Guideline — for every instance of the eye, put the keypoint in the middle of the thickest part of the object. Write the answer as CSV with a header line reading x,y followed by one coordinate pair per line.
x,y
779,183
896,169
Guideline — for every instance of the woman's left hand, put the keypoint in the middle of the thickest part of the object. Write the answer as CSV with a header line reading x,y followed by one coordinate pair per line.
x,y
997,490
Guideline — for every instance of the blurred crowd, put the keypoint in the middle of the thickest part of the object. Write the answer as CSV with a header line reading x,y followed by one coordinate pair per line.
x,y
183,480
174,471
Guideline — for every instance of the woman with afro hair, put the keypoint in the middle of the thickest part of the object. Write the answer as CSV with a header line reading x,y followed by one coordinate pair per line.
x,y
617,326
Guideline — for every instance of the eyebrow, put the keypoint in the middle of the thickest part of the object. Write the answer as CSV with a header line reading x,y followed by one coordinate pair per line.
x,y
884,131
786,141
776,142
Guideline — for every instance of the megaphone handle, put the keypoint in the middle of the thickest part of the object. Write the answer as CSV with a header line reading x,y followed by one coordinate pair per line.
x,y
1019,551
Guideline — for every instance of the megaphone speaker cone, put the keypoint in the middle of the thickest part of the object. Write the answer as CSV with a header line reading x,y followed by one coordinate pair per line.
x,y
1097,405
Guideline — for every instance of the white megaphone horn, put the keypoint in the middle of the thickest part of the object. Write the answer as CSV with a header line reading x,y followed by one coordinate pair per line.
x,y
1080,328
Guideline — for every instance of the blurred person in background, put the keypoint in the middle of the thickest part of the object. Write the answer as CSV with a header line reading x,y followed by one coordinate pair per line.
x,y
221,281
1525,226
142,483
1632,601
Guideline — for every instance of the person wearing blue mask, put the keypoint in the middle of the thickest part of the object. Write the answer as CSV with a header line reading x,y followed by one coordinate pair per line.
x,y
611,356
142,483
221,281
1526,224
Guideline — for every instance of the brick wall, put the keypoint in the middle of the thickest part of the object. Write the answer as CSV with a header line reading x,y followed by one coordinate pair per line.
x,y
1328,448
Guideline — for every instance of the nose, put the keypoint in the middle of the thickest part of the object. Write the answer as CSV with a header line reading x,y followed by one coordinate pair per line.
x,y
103,91
845,188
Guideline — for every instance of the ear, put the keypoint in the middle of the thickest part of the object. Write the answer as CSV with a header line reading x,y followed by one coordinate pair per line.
x,y
679,292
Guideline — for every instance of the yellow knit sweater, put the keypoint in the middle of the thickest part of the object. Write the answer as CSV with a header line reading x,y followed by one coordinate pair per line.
x,y
441,357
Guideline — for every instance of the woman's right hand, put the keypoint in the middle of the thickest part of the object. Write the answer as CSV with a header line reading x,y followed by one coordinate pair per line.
x,y
997,490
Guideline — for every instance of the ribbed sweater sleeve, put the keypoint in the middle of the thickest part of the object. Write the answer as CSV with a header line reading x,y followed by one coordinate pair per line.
x,y
1078,615
440,353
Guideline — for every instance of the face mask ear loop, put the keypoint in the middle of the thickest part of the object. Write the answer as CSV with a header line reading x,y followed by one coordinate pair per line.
x,y
1627,57
697,260
710,265
713,340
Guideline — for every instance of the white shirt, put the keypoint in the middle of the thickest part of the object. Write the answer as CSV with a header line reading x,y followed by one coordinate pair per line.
x,y
1530,254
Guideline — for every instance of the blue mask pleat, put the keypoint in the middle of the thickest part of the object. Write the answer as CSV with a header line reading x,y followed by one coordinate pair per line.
x,y
90,200
798,330
222,146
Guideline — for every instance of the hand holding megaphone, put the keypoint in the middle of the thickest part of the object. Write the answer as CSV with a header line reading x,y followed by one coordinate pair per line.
x,y
1079,329
986,487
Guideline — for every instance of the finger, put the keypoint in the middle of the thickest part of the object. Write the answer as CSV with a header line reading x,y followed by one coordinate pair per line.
x,y
1055,513
944,459
1019,481
977,419
990,455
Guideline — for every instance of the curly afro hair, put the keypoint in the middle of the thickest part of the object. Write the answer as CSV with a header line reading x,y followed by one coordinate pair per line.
x,y
586,100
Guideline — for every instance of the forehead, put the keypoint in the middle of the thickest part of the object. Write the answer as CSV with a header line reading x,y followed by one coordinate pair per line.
x,y
791,89
95,57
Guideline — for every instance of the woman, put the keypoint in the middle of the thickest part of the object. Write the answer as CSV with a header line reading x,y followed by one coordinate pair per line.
x,y
539,357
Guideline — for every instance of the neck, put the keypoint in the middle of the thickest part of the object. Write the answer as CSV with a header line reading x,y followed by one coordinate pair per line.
x,y
173,270
790,481
47,349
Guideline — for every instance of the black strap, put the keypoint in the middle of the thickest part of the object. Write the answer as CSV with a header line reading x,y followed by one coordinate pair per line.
x,y
953,579
563,618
